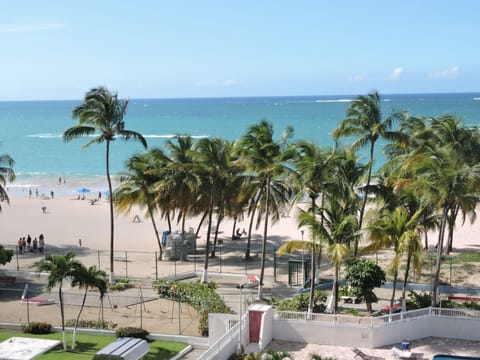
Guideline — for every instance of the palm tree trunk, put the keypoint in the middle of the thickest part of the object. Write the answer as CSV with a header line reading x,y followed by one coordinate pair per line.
x,y
220,218
78,319
250,226
62,315
210,212
441,236
405,279
365,198
107,165
335,290
169,221
234,226
312,265
155,229
264,243
200,224
392,299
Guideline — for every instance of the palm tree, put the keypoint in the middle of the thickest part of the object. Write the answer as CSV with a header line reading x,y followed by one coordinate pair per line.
x,y
179,179
263,160
364,119
213,165
338,227
312,177
6,174
136,187
88,278
60,267
102,114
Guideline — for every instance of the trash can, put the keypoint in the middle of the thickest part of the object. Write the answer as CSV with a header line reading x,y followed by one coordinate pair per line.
x,y
405,345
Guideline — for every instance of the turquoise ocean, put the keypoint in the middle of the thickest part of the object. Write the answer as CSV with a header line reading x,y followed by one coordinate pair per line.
x,y
31,132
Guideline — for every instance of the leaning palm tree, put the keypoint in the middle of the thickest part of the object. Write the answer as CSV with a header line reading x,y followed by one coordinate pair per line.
x,y
88,278
364,119
6,174
102,114
60,267
136,186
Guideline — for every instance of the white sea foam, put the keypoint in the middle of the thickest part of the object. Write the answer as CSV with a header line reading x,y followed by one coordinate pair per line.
x,y
45,136
476,98
155,136
333,100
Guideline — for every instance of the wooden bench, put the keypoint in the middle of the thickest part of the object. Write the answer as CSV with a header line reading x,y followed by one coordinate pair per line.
x,y
7,280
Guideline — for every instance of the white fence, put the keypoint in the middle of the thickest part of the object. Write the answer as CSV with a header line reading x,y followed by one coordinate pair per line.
x,y
345,330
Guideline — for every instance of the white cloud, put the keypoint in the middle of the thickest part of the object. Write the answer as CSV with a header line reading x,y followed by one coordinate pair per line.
x,y
218,83
396,73
451,73
31,27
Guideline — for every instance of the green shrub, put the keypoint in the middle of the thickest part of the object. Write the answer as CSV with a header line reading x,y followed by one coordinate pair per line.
x,y
202,297
120,285
37,328
418,300
132,332
92,324
300,302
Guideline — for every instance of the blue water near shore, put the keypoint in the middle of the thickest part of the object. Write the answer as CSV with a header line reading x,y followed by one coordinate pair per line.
x,y
31,131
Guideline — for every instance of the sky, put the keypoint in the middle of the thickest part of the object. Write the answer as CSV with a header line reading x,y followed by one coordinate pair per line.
x,y
224,48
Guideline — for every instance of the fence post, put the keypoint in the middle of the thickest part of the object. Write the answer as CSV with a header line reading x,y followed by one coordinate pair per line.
x,y
156,266
220,248
126,264
98,258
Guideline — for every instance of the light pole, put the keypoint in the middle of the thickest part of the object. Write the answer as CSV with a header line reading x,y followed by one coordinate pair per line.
x,y
303,264
240,346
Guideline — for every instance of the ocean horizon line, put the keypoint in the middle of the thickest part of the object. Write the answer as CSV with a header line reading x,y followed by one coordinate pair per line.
x,y
243,97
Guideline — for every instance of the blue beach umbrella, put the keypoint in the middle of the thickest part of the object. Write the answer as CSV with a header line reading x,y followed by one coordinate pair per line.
x,y
83,190
106,193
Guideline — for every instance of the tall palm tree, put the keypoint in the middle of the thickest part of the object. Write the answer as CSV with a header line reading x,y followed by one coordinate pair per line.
x,y
338,227
136,186
212,159
88,278
178,178
6,174
312,177
263,160
364,119
102,114
60,267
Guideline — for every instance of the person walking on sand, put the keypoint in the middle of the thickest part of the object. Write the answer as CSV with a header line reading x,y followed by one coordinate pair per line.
x,y
79,242
29,242
51,194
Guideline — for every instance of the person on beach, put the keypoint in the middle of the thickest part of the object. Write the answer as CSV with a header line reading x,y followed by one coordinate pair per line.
x,y
44,209
80,242
30,193
41,243
24,244
34,245
36,192
51,194
59,180
20,246
29,242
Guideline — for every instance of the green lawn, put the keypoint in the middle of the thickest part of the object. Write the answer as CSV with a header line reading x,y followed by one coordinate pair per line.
x,y
88,345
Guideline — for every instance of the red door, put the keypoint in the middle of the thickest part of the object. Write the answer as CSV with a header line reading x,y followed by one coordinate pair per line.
x,y
255,322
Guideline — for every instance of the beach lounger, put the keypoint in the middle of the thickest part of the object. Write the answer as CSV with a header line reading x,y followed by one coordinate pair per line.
x,y
364,356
